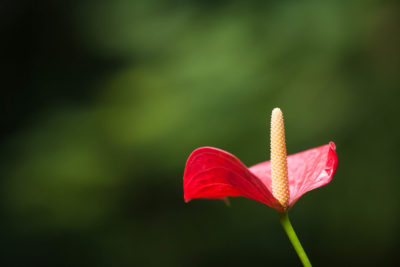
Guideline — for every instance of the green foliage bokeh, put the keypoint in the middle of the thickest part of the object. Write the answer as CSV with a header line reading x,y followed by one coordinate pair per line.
x,y
92,176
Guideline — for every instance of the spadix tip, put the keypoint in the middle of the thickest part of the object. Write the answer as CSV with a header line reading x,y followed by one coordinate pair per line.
x,y
276,111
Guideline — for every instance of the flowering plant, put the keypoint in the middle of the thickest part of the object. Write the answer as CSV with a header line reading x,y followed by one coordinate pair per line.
x,y
279,183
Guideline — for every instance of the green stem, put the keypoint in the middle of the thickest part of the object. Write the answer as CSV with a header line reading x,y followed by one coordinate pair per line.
x,y
284,218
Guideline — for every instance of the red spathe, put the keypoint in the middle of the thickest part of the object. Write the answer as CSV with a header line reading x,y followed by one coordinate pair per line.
x,y
214,173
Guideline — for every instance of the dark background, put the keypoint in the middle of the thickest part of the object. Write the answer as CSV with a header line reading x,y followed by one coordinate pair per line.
x,y
103,101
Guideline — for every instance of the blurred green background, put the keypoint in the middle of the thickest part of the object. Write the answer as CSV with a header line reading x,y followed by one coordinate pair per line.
x,y
103,101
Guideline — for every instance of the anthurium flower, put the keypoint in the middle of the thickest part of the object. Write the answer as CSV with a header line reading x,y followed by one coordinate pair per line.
x,y
214,173
279,183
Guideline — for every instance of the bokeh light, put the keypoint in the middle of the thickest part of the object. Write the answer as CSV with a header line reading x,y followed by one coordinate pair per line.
x,y
104,101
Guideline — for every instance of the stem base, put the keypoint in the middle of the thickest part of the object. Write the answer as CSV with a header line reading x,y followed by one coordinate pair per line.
x,y
287,226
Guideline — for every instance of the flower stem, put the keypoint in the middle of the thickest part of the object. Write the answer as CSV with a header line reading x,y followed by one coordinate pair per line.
x,y
287,226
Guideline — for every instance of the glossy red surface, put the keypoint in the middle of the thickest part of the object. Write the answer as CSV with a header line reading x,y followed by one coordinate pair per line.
x,y
214,173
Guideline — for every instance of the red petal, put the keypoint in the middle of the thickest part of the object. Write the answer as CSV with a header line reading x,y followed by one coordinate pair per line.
x,y
307,170
214,173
